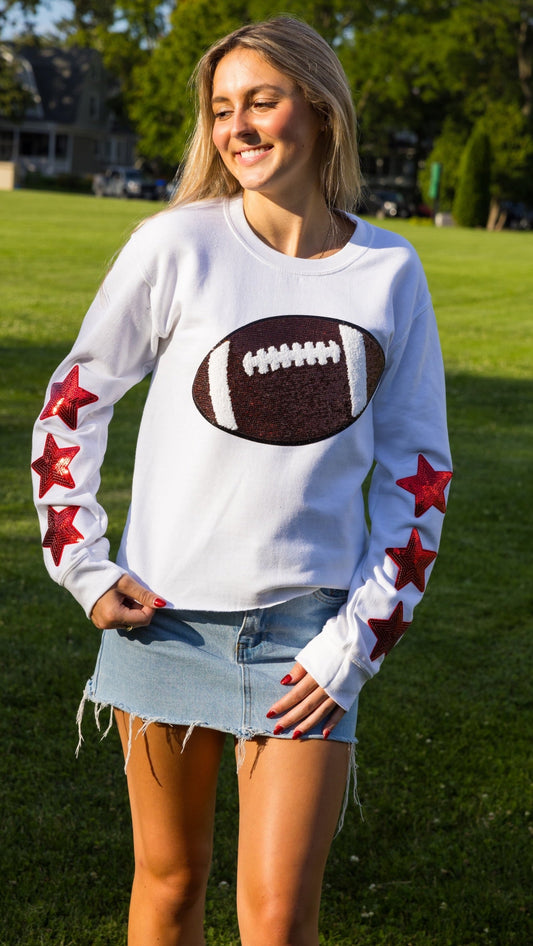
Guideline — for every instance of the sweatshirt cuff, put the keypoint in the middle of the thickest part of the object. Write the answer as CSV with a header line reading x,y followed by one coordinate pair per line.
x,y
333,670
90,580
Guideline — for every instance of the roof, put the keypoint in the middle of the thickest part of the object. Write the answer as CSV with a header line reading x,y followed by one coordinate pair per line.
x,y
60,75
59,79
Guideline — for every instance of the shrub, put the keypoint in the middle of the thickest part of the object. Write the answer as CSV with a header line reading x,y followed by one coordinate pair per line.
x,y
64,183
447,150
472,197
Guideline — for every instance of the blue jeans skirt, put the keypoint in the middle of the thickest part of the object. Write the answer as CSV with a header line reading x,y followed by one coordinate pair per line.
x,y
216,670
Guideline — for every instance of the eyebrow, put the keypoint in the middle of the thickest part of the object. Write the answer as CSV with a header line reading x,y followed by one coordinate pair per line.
x,y
252,91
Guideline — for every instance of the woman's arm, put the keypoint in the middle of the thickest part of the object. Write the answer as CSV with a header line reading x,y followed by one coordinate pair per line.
x,y
116,347
407,501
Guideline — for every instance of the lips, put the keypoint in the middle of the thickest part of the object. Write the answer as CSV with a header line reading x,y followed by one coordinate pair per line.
x,y
251,155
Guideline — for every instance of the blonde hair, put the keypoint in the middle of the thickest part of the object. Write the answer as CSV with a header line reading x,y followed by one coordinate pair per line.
x,y
300,53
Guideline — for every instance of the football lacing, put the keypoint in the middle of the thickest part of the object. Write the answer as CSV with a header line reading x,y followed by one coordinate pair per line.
x,y
284,357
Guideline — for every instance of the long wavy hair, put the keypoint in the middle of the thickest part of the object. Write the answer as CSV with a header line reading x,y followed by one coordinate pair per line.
x,y
300,53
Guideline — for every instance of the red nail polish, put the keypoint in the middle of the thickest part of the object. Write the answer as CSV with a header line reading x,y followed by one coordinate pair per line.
x,y
287,679
326,733
278,730
296,734
159,603
271,714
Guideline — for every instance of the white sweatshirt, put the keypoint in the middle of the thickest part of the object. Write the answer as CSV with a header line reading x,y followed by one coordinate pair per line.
x,y
277,384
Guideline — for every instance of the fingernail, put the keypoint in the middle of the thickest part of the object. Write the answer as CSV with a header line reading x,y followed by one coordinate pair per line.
x,y
159,603
287,679
278,730
326,733
271,714
296,734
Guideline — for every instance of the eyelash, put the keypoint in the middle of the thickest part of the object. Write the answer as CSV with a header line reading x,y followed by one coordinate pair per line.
x,y
223,113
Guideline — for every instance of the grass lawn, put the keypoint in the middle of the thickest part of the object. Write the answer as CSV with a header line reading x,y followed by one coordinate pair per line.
x,y
443,856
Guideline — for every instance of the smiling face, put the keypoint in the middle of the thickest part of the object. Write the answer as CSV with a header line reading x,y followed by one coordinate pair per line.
x,y
264,130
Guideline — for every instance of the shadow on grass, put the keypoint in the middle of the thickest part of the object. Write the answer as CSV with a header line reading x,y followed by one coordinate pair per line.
x,y
445,764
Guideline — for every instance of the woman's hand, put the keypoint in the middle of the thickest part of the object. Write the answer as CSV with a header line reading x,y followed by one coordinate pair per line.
x,y
305,705
127,604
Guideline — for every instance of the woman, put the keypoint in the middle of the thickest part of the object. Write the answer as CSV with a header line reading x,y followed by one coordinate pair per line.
x,y
292,347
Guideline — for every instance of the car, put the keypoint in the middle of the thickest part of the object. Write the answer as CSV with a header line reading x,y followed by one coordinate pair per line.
x,y
516,215
125,182
386,203
396,201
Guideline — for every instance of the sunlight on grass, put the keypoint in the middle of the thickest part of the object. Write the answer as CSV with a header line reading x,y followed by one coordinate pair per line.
x,y
482,288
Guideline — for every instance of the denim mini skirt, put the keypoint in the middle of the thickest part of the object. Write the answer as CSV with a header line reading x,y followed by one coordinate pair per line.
x,y
219,670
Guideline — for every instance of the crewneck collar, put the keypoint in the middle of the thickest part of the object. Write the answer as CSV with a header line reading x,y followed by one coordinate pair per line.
x,y
358,244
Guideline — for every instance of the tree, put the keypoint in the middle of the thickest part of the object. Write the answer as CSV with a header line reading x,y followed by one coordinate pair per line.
x,y
14,97
472,197
330,17
160,102
447,150
437,68
489,58
432,68
8,7
93,22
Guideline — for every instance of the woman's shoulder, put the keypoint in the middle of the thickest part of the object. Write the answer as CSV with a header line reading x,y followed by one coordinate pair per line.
x,y
157,244
387,247
181,222
197,215
381,237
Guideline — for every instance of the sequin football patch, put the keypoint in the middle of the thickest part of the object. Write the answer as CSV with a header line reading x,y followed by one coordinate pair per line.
x,y
289,380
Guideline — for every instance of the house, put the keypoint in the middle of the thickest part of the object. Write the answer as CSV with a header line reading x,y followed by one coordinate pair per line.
x,y
70,127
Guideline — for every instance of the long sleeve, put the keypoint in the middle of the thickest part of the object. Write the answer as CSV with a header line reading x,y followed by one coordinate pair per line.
x,y
406,505
115,349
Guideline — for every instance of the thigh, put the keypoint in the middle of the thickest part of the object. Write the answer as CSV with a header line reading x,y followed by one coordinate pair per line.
x,y
290,796
172,790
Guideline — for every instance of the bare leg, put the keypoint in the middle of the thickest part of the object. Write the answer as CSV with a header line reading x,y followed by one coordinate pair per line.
x,y
172,798
290,799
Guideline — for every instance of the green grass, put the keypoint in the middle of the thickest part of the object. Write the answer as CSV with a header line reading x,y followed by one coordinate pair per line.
x,y
443,856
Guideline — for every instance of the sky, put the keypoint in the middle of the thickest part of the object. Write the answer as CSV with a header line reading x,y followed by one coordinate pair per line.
x,y
48,14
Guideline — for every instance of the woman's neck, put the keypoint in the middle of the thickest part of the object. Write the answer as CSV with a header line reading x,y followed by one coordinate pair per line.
x,y
306,229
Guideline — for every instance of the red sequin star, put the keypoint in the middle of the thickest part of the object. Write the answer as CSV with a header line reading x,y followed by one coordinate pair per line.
x,y
66,399
53,466
388,632
428,486
412,562
60,531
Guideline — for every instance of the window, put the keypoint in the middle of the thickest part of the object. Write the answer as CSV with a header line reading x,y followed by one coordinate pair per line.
x,y
6,145
33,144
94,107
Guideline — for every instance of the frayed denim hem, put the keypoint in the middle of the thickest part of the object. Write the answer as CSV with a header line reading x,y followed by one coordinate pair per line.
x,y
241,739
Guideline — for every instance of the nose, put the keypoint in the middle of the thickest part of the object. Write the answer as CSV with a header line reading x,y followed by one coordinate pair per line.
x,y
241,125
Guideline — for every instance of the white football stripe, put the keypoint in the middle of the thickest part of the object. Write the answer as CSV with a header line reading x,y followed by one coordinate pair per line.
x,y
219,388
285,357
354,349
